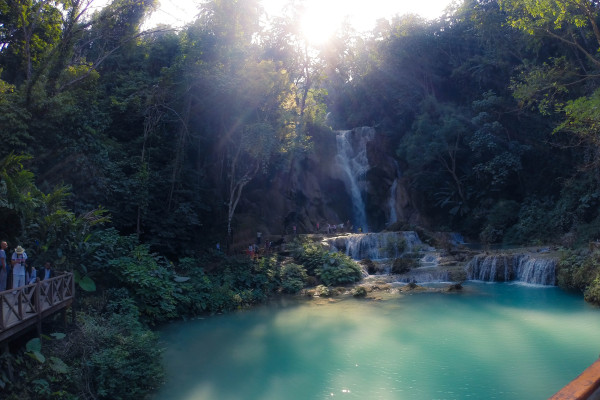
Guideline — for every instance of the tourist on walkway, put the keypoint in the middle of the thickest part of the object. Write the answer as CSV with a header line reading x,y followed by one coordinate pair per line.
x,y
31,275
19,262
3,266
46,272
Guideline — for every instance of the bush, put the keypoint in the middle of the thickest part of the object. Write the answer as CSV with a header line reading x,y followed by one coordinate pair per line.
x,y
592,292
329,268
339,269
293,278
359,291
323,291
581,271
111,355
578,270
501,216
151,284
534,223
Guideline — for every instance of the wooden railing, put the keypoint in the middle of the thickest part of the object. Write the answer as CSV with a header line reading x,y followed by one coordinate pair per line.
x,y
23,307
585,387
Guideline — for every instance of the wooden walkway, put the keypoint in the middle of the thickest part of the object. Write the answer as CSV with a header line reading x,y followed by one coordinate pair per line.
x,y
28,305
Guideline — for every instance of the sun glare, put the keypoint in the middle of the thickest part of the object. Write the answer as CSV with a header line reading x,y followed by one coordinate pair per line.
x,y
323,17
319,23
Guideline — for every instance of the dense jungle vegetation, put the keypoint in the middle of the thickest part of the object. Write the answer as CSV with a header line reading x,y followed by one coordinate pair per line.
x,y
125,153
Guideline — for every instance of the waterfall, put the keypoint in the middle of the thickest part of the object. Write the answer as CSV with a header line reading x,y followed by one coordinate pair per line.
x,y
426,276
375,246
540,271
519,267
393,194
392,203
352,158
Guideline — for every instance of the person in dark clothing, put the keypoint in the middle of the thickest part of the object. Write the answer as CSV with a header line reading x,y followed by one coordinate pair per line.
x,y
46,272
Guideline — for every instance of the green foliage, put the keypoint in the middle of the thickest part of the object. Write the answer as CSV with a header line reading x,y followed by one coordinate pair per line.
x,y
330,268
532,16
592,292
500,218
359,291
111,354
580,270
533,223
149,280
233,282
41,374
323,291
338,269
581,117
13,120
293,277
34,348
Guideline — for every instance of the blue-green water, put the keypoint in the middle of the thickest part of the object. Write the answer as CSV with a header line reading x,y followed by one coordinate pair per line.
x,y
493,341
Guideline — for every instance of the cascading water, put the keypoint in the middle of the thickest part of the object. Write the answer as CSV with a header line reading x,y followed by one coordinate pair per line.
x,y
392,200
392,203
519,267
375,246
352,158
536,270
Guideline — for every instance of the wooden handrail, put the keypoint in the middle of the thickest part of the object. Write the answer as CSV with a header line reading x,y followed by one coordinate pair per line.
x,y
585,386
27,305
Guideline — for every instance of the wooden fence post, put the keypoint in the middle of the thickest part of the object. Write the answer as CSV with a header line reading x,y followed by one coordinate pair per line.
x,y
38,309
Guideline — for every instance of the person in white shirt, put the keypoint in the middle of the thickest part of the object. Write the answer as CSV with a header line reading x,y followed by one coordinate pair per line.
x,y
19,263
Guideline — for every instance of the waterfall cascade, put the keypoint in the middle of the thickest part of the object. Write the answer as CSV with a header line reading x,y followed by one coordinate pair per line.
x,y
353,160
426,276
392,203
393,213
518,267
376,246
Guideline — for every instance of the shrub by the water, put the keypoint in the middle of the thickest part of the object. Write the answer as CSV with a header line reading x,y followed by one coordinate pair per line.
x,y
580,270
149,281
329,267
338,269
293,278
322,290
592,292
359,291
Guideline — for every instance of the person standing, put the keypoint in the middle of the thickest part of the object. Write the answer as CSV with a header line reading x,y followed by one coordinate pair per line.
x,y
19,263
30,275
46,272
3,266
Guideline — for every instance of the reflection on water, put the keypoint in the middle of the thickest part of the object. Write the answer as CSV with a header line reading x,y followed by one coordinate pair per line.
x,y
500,341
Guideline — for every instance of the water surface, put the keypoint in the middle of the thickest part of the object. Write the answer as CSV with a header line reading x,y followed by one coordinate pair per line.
x,y
493,341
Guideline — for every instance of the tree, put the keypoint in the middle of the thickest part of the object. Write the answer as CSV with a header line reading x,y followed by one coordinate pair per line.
x,y
436,152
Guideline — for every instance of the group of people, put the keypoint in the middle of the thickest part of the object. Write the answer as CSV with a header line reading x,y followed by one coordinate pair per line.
x,y
343,227
18,272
